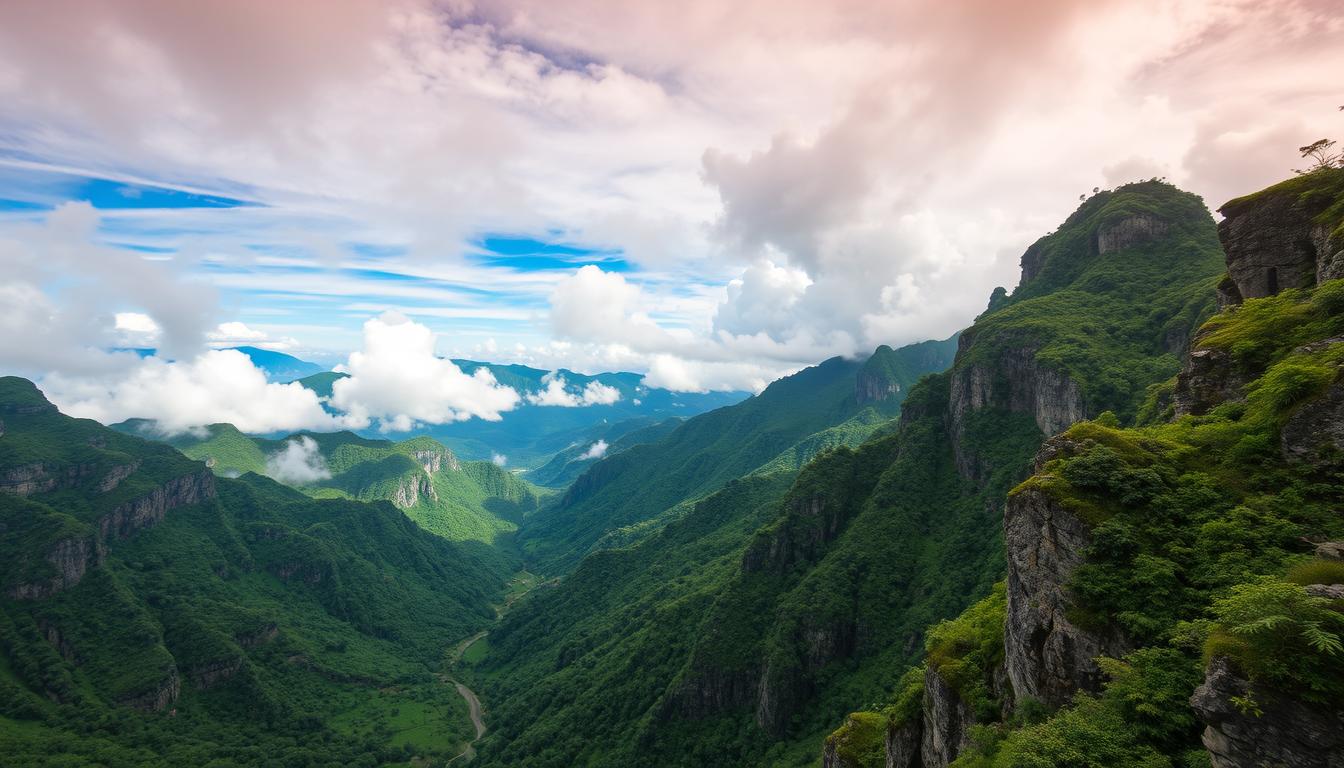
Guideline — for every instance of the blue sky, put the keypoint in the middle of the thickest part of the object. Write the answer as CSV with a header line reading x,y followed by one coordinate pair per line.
x,y
715,194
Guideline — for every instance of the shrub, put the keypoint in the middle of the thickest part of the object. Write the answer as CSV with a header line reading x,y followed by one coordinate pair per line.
x,y
1317,572
1282,637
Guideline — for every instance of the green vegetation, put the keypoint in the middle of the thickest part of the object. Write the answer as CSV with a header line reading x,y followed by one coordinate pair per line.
x,y
861,740
461,501
248,626
644,482
740,629
964,652
1197,532
1115,323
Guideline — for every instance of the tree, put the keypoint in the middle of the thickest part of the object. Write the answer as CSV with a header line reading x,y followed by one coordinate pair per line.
x,y
1319,152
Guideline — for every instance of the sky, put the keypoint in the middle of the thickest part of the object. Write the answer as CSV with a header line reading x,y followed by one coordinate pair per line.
x,y
714,194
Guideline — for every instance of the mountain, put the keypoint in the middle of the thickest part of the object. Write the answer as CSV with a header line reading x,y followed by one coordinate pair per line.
x,y
792,418
531,434
279,366
154,613
1174,588
699,645
461,501
600,441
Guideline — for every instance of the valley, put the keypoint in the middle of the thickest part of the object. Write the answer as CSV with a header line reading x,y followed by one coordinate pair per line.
x,y
1118,485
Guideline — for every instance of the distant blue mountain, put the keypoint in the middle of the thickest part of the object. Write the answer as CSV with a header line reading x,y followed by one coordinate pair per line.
x,y
278,366
530,435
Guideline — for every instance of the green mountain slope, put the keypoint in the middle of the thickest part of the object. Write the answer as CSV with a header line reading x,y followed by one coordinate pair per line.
x,y
699,456
1173,591
461,501
155,614
826,603
566,465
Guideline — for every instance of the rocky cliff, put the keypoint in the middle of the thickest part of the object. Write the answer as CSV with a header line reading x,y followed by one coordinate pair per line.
x,y
70,558
148,510
1130,231
411,488
1285,236
1284,732
1048,658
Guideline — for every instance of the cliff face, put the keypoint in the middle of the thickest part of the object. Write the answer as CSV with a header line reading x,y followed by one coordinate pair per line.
x,y
947,722
1130,231
1315,432
1285,733
1048,658
148,510
412,488
1275,239
71,559
435,460
1210,377
1012,380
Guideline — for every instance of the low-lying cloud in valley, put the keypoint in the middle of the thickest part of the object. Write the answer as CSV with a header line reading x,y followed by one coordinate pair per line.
x,y
300,462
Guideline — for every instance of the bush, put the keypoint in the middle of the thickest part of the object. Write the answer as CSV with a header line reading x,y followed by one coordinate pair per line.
x,y
1317,572
1282,637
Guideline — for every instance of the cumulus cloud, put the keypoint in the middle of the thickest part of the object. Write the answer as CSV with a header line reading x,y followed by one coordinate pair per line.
x,y
66,298
237,334
787,180
597,393
299,462
555,393
499,459
398,380
595,451
215,386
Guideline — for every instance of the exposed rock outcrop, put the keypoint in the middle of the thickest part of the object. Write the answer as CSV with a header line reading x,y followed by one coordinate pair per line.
x,y
947,722
115,475
810,524
1016,382
1048,658
903,744
1327,591
1131,230
1330,550
159,697
39,477
148,510
435,460
411,488
1315,432
1273,242
871,389
71,558
1285,734
1210,378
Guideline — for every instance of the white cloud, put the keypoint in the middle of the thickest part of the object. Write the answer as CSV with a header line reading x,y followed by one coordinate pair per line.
x,y
787,180
597,393
398,380
237,334
595,451
499,459
556,394
300,462
215,386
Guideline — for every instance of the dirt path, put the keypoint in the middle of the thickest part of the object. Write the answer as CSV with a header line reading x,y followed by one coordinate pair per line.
x,y
475,705
473,702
